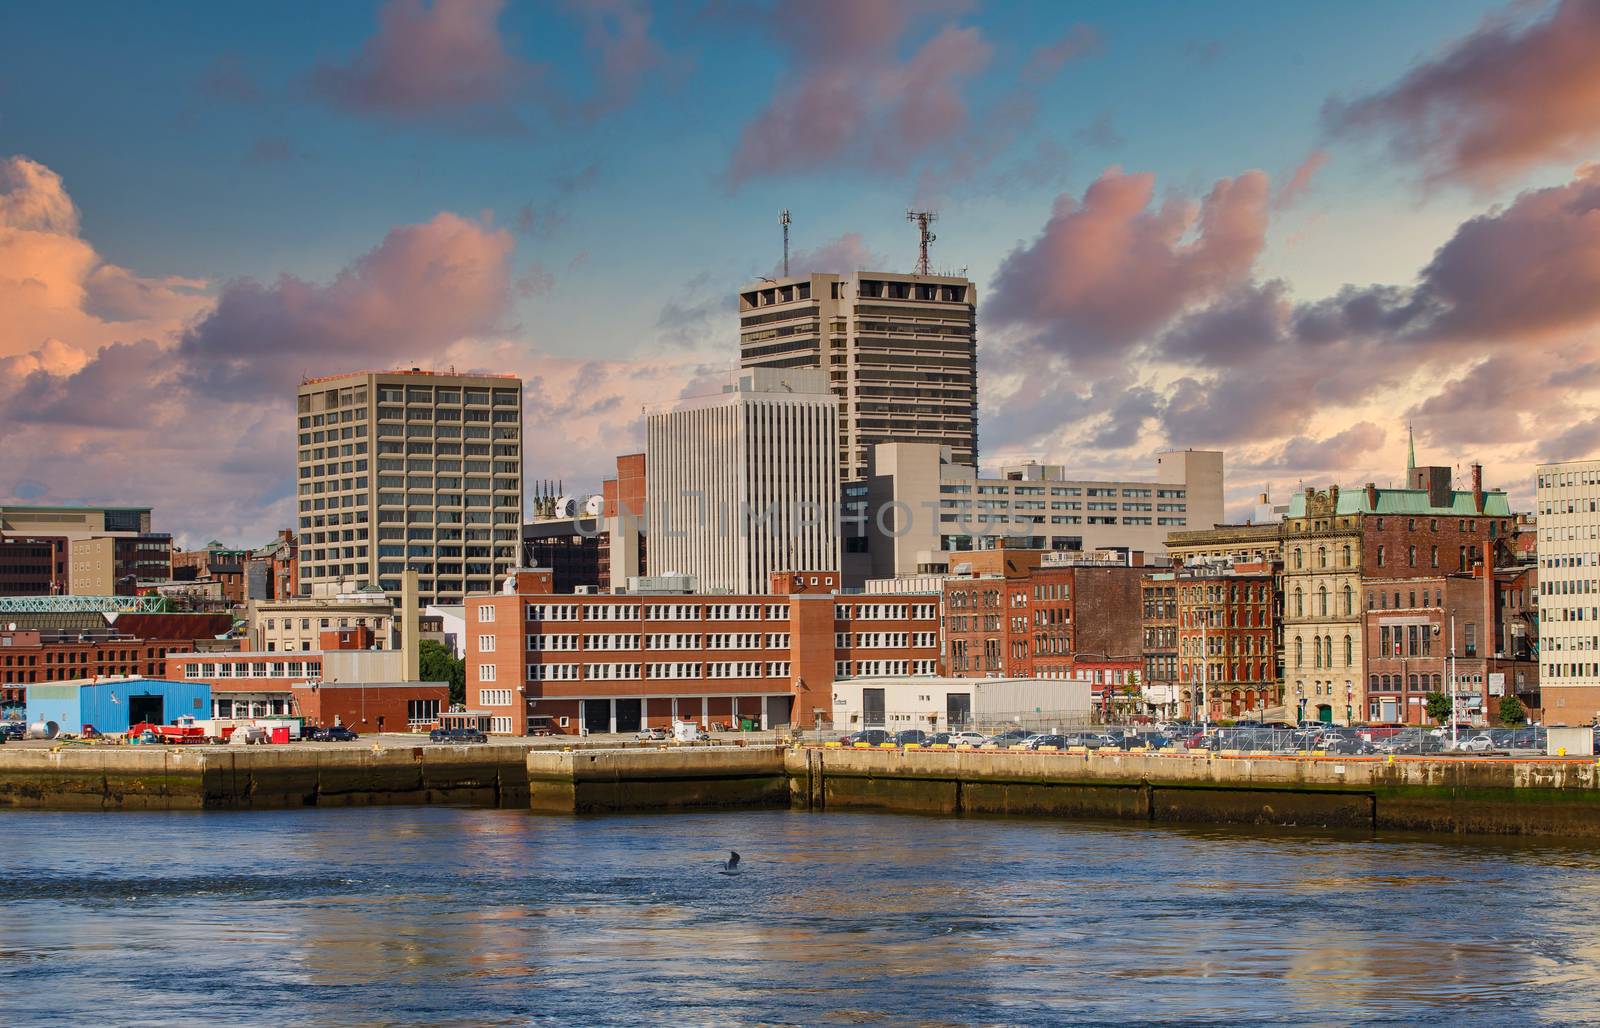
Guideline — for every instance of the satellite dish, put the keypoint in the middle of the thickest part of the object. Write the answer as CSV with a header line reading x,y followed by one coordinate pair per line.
x,y
594,506
566,507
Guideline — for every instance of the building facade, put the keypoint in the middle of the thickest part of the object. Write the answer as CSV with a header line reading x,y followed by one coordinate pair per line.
x,y
409,469
1338,544
1227,640
296,625
1059,616
1568,509
919,506
617,663
744,483
137,644
899,351
107,551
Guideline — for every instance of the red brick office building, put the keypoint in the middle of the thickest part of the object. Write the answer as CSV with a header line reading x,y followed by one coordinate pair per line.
x,y
621,662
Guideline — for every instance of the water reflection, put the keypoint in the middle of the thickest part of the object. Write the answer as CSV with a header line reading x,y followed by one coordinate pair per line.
x,y
471,916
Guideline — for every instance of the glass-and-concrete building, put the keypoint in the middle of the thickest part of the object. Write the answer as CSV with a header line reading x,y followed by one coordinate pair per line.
x,y
919,505
409,469
745,482
1568,506
899,351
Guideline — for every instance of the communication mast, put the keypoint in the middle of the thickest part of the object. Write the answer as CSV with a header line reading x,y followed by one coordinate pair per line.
x,y
923,219
783,219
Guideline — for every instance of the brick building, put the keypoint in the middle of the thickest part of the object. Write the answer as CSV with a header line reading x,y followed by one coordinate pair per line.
x,y
272,572
213,563
345,681
1047,615
137,644
619,662
33,565
1158,604
1227,640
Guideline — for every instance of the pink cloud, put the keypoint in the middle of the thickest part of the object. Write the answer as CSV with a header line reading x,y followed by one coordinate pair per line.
x,y
1510,96
1078,42
422,288
1108,270
54,286
428,59
843,255
849,98
617,32
1300,181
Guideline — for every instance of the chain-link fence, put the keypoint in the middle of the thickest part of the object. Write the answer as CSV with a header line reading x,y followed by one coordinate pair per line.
x,y
1324,740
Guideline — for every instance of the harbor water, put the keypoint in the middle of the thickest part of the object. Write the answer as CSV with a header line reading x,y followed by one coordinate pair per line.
x,y
471,916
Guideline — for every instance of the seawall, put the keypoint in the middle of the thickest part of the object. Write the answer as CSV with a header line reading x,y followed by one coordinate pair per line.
x,y
1545,796
604,781
1517,797
259,777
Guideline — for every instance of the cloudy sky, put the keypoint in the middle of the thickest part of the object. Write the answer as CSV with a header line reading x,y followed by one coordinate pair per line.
x,y
1282,230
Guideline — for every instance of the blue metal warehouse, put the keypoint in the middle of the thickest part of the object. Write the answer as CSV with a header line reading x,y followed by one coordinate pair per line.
x,y
113,704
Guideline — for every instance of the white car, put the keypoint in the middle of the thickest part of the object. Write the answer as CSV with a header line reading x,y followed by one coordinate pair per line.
x,y
1480,743
967,739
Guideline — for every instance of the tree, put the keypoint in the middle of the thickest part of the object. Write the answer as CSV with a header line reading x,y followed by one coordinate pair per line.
x,y
1438,707
438,664
1512,712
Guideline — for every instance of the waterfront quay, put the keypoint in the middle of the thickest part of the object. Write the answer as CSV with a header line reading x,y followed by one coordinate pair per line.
x,y
1544,796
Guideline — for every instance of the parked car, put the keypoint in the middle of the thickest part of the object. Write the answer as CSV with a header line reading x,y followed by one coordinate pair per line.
x,y
911,737
1011,737
939,739
967,739
13,729
457,735
653,735
1058,741
332,733
870,736
1482,742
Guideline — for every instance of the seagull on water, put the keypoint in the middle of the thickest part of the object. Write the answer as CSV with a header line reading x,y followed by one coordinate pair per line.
x,y
731,865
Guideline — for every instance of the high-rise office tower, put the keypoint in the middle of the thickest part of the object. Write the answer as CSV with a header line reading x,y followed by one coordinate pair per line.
x,y
900,352
745,482
410,469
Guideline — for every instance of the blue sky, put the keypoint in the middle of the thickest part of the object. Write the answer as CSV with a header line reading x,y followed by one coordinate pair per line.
x,y
202,142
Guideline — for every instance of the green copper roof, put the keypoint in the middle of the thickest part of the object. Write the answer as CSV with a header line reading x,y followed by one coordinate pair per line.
x,y
1409,501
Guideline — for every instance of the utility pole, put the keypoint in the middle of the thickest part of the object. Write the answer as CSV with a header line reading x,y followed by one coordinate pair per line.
x,y
1453,739
783,220
923,220
1205,661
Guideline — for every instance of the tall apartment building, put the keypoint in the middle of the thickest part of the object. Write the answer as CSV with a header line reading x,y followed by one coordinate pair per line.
x,y
919,507
1568,507
900,352
410,469
744,482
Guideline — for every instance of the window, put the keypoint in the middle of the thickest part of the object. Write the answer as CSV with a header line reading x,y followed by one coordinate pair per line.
x,y
486,672
485,614
486,643
1349,651
1299,602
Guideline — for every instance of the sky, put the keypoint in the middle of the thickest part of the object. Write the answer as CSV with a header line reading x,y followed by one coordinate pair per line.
x,y
1286,231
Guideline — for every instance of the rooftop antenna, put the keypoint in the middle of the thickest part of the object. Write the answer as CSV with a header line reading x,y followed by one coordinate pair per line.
x,y
923,219
783,219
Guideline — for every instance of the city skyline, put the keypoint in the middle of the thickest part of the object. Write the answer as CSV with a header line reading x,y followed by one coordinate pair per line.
x,y
1183,235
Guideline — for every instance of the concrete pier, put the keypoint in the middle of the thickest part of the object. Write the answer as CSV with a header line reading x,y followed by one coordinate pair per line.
x,y
1517,797
602,781
1556,797
241,778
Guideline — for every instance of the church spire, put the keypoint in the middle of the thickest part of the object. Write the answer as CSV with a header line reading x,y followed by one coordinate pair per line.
x,y
1411,452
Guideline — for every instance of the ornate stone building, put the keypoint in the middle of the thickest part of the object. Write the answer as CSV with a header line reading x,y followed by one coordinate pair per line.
x,y
1322,638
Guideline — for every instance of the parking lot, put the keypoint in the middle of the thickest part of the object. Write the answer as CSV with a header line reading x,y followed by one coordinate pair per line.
x,y
1319,739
